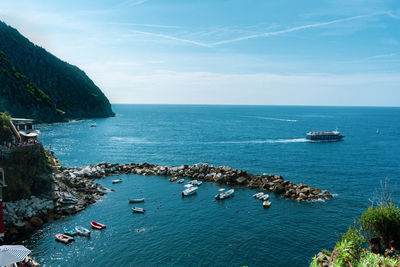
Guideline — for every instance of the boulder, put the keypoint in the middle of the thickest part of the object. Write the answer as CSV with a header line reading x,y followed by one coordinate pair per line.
x,y
279,189
241,180
36,221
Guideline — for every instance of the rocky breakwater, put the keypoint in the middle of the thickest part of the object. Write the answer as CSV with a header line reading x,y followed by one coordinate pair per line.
x,y
220,175
24,215
72,193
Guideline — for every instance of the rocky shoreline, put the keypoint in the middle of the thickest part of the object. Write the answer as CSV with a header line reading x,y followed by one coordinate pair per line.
x,y
71,195
74,190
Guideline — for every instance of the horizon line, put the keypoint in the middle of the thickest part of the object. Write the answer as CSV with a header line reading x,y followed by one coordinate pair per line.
x,y
261,105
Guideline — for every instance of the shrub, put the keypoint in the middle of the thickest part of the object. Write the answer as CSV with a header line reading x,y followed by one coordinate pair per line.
x,y
5,130
382,221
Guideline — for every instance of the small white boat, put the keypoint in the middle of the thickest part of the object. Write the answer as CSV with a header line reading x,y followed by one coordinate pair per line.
x,y
188,185
138,210
257,195
261,196
195,182
264,197
137,200
116,181
221,189
226,194
190,191
266,204
64,238
82,231
180,181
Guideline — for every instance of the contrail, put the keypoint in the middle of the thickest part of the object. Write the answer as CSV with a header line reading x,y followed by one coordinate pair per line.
x,y
172,38
298,28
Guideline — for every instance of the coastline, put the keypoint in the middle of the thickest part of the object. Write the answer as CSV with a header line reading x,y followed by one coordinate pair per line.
x,y
75,189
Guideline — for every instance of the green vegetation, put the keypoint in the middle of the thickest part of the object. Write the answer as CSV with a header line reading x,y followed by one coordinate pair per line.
x,y
5,130
35,84
28,172
381,222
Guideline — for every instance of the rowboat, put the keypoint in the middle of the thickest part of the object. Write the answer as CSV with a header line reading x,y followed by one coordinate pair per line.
x,y
116,181
64,238
260,194
137,200
190,191
226,194
195,182
82,231
173,179
70,231
97,225
138,210
264,197
180,181
266,204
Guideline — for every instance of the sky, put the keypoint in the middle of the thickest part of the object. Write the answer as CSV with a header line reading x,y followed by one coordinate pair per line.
x,y
243,52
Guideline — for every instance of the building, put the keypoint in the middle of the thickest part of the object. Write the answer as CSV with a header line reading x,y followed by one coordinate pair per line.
x,y
24,130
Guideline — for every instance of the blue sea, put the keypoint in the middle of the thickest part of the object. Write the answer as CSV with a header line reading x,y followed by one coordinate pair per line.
x,y
199,231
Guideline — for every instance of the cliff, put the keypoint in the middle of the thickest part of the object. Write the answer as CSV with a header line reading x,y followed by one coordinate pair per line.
x,y
38,85
28,172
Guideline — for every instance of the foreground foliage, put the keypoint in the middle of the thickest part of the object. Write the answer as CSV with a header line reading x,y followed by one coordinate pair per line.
x,y
381,221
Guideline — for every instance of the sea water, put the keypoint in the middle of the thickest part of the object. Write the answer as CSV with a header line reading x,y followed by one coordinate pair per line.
x,y
198,231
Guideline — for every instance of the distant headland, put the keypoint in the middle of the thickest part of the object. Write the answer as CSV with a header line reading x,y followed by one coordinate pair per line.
x,y
40,86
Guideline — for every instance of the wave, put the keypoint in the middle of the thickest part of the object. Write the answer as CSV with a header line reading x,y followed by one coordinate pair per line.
x,y
270,118
131,140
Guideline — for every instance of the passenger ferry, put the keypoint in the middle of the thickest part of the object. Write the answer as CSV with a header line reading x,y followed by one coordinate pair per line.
x,y
325,136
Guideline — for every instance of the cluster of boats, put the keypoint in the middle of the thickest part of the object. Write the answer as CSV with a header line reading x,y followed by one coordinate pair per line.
x,y
264,197
193,186
69,232
137,209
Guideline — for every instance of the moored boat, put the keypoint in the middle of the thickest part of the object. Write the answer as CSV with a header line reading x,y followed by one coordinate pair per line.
x,y
70,231
64,238
116,181
264,197
325,136
82,231
181,181
190,191
266,204
138,210
258,195
97,225
225,195
173,179
137,200
196,182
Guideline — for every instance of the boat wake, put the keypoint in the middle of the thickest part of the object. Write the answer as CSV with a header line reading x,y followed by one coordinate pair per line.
x,y
267,141
271,119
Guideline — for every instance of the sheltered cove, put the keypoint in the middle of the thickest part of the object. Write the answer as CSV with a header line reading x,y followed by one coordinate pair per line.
x,y
74,190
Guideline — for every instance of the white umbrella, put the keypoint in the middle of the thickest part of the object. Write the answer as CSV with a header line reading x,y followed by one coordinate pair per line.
x,y
12,254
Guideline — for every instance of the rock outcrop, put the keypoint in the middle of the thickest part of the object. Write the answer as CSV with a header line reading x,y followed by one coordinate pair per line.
x,y
205,172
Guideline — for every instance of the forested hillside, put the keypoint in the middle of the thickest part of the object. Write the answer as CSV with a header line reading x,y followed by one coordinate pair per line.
x,y
38,85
